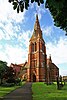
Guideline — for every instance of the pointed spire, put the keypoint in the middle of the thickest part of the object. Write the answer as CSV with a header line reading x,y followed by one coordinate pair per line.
x,y
50,58
36,16
37,25
37,33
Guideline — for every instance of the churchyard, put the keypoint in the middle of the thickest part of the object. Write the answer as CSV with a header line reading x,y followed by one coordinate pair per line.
x,y
43,91
40,91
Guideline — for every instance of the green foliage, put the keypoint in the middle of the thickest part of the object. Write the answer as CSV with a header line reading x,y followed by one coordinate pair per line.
x,y
8,84
10,73
20,5
58,9
10,80
6,90
42,91
3,65
3,68
14,5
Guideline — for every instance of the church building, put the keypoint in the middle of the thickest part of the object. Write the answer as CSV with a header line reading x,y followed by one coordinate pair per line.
x,y
37,55
39,68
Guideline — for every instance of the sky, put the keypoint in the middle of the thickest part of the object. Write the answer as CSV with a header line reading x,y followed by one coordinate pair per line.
x,y
16,31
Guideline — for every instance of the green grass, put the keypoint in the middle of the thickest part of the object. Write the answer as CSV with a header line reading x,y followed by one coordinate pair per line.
x,y
5,90
42,91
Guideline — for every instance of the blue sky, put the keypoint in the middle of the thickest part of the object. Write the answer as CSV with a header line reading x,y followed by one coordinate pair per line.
x,y
16,30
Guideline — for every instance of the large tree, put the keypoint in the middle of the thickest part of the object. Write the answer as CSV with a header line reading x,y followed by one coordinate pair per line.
x,y
58,9
3,68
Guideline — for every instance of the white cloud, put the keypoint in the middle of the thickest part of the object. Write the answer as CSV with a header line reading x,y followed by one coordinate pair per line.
x,y
9,20
1,35
13,54
63,72
48,30
58,51
24,37
17,53
9,27
8,31
38,9
3,56
0,46
7,13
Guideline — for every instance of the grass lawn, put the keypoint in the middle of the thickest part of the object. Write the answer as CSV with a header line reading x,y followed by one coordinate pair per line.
x,y
6,90
42,91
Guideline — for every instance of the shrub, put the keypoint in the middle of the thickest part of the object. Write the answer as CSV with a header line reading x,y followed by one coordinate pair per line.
x,y
10,80
18,80
8,84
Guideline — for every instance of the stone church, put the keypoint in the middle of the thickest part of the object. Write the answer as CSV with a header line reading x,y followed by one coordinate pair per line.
x,y
38,68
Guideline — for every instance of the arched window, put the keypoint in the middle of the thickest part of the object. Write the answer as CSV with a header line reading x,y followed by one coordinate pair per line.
x,y
35,46
32,47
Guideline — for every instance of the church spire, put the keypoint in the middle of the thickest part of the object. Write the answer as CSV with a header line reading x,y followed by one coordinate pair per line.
x,y
37,33
37,25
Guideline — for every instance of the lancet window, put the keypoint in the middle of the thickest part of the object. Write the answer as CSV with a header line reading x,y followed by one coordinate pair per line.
x,y
34,47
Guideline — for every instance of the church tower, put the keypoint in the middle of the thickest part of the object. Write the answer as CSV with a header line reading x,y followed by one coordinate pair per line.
x,y
37,56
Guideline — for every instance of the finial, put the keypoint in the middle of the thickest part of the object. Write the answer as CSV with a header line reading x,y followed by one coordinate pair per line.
x,y
36,14
50,56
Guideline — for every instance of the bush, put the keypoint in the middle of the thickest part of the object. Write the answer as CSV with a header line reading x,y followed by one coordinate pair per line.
x,y
18,80
11,80
8,84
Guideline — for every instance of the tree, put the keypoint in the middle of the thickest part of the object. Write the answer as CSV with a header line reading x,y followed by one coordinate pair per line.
x,y
21,4
10,74
3,68
58,9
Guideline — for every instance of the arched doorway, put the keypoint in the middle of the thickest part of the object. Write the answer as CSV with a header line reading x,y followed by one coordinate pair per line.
x,y
34,78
